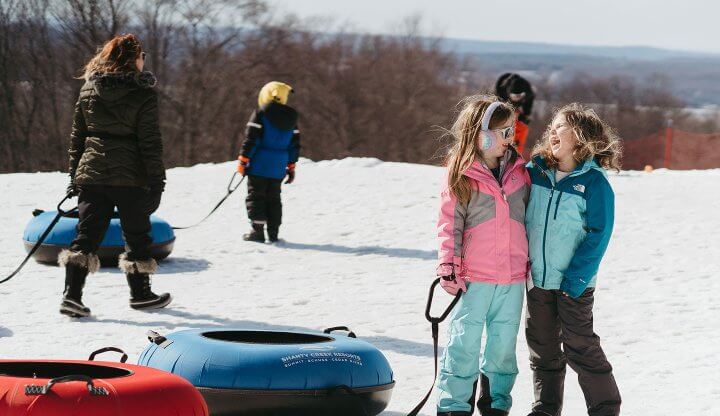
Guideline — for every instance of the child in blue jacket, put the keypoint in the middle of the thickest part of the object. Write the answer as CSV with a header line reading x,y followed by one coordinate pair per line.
x,y
569,221
269,154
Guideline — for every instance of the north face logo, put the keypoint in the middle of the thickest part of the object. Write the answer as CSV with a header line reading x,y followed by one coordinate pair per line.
x,y
579,188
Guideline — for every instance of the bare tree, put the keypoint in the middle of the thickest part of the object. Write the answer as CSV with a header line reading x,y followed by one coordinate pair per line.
x,y
358,95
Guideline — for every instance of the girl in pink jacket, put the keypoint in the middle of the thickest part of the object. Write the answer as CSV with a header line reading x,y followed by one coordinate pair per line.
x,y
484,253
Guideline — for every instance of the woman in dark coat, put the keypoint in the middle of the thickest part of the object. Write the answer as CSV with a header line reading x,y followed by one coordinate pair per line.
x,y
115,162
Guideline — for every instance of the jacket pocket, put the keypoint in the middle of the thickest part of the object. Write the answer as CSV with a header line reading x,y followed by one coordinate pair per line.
x,y
480,252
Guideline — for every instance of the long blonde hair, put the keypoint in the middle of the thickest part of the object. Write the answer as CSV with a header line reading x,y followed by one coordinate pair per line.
x,y
465,131
116,55
595,139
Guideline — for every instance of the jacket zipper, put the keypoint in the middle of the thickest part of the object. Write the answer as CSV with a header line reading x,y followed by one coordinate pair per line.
x,y
501,183
547,216
557,205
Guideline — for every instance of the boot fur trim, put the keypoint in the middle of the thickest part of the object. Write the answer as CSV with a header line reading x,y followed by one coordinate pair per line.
x,y
89,261
148,266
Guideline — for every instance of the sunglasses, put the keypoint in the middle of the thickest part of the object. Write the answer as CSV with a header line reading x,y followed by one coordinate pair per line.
x,y
143,55
507,132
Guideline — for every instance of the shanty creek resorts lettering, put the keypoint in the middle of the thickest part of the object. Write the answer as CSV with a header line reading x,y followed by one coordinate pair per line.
x,y
320,357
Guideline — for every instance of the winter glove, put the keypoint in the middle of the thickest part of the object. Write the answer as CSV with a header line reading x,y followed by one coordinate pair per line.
x,y
450,282
243,163
290,172
72,189
157,187
153,196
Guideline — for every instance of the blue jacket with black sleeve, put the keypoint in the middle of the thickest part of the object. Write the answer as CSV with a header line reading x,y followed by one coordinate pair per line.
x,y
272,141
569,224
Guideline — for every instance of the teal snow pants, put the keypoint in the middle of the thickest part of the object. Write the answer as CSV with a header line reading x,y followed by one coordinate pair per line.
x,y
497,307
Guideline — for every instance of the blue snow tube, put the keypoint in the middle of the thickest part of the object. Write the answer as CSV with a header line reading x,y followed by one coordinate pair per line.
x,y
249,372
111,246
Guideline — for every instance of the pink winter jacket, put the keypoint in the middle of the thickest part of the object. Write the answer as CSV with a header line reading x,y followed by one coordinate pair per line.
x,y
485,241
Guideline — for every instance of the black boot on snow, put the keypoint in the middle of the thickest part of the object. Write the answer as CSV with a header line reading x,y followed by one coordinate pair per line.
x,y
72,305
493,412
455,413
273,234
257,233
141,294
138,277
77,267
539,413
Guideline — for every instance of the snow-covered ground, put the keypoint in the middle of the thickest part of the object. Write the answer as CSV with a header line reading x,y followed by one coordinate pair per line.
x,y
360,251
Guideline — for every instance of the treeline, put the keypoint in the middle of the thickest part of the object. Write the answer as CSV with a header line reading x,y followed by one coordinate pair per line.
x,y
358,95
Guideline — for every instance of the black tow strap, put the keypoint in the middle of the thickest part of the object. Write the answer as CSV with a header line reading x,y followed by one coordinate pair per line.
x,y
435,325
60,214
230,190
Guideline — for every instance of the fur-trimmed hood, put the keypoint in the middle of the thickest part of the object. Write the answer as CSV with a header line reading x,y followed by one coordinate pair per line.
x,y
115,85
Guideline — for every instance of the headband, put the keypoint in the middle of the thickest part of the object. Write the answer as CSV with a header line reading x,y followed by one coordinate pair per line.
x,y
485,123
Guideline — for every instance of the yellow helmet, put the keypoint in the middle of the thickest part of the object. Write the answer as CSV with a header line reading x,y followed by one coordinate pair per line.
x,y
274,91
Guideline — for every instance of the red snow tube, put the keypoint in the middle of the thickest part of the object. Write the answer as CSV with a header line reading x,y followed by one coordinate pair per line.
x,y
80,388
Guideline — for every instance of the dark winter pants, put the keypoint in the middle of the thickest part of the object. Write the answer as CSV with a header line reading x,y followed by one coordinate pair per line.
x,y
553,319
96,205
263,200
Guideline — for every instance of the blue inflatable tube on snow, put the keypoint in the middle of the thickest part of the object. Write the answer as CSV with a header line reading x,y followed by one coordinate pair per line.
x,y
111,247
242,372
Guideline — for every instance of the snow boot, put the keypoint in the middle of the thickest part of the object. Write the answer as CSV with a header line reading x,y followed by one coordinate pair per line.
x,y
257,233
456,413
273,233
77,267
141,294
484,403
138,278
72,305
539,413
489,411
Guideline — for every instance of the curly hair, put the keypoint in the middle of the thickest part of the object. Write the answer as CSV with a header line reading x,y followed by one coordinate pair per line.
x,y
116,55
595,139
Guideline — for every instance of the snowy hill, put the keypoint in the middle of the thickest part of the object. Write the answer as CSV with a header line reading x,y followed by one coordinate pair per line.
x,y
360,251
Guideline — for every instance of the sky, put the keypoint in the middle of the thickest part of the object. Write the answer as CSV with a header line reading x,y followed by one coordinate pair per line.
x,y
692,25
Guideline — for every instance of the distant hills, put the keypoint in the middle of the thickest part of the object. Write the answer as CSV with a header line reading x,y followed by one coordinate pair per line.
x,y
692,76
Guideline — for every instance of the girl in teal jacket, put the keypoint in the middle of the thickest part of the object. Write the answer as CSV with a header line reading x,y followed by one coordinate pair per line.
x,y
569,221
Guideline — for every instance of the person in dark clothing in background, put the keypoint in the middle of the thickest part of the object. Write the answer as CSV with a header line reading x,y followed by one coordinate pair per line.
x,y
517,91
269,154
115,161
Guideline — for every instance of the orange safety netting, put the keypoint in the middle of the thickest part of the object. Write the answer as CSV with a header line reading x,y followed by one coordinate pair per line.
x,y
674,149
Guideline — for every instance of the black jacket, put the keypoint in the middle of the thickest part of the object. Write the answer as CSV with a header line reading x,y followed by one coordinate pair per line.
x,y
115,138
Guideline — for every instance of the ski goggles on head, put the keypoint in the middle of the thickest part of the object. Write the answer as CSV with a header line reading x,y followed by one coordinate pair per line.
x,y
506,133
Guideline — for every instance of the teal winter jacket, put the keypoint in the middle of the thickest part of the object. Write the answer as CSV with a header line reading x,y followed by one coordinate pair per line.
x,y
569,224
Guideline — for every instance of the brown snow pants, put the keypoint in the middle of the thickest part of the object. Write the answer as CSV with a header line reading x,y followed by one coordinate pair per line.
x,y
559,331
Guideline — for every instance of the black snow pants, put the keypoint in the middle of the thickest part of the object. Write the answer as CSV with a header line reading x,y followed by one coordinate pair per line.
x,y
96,204
554,320
263,201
